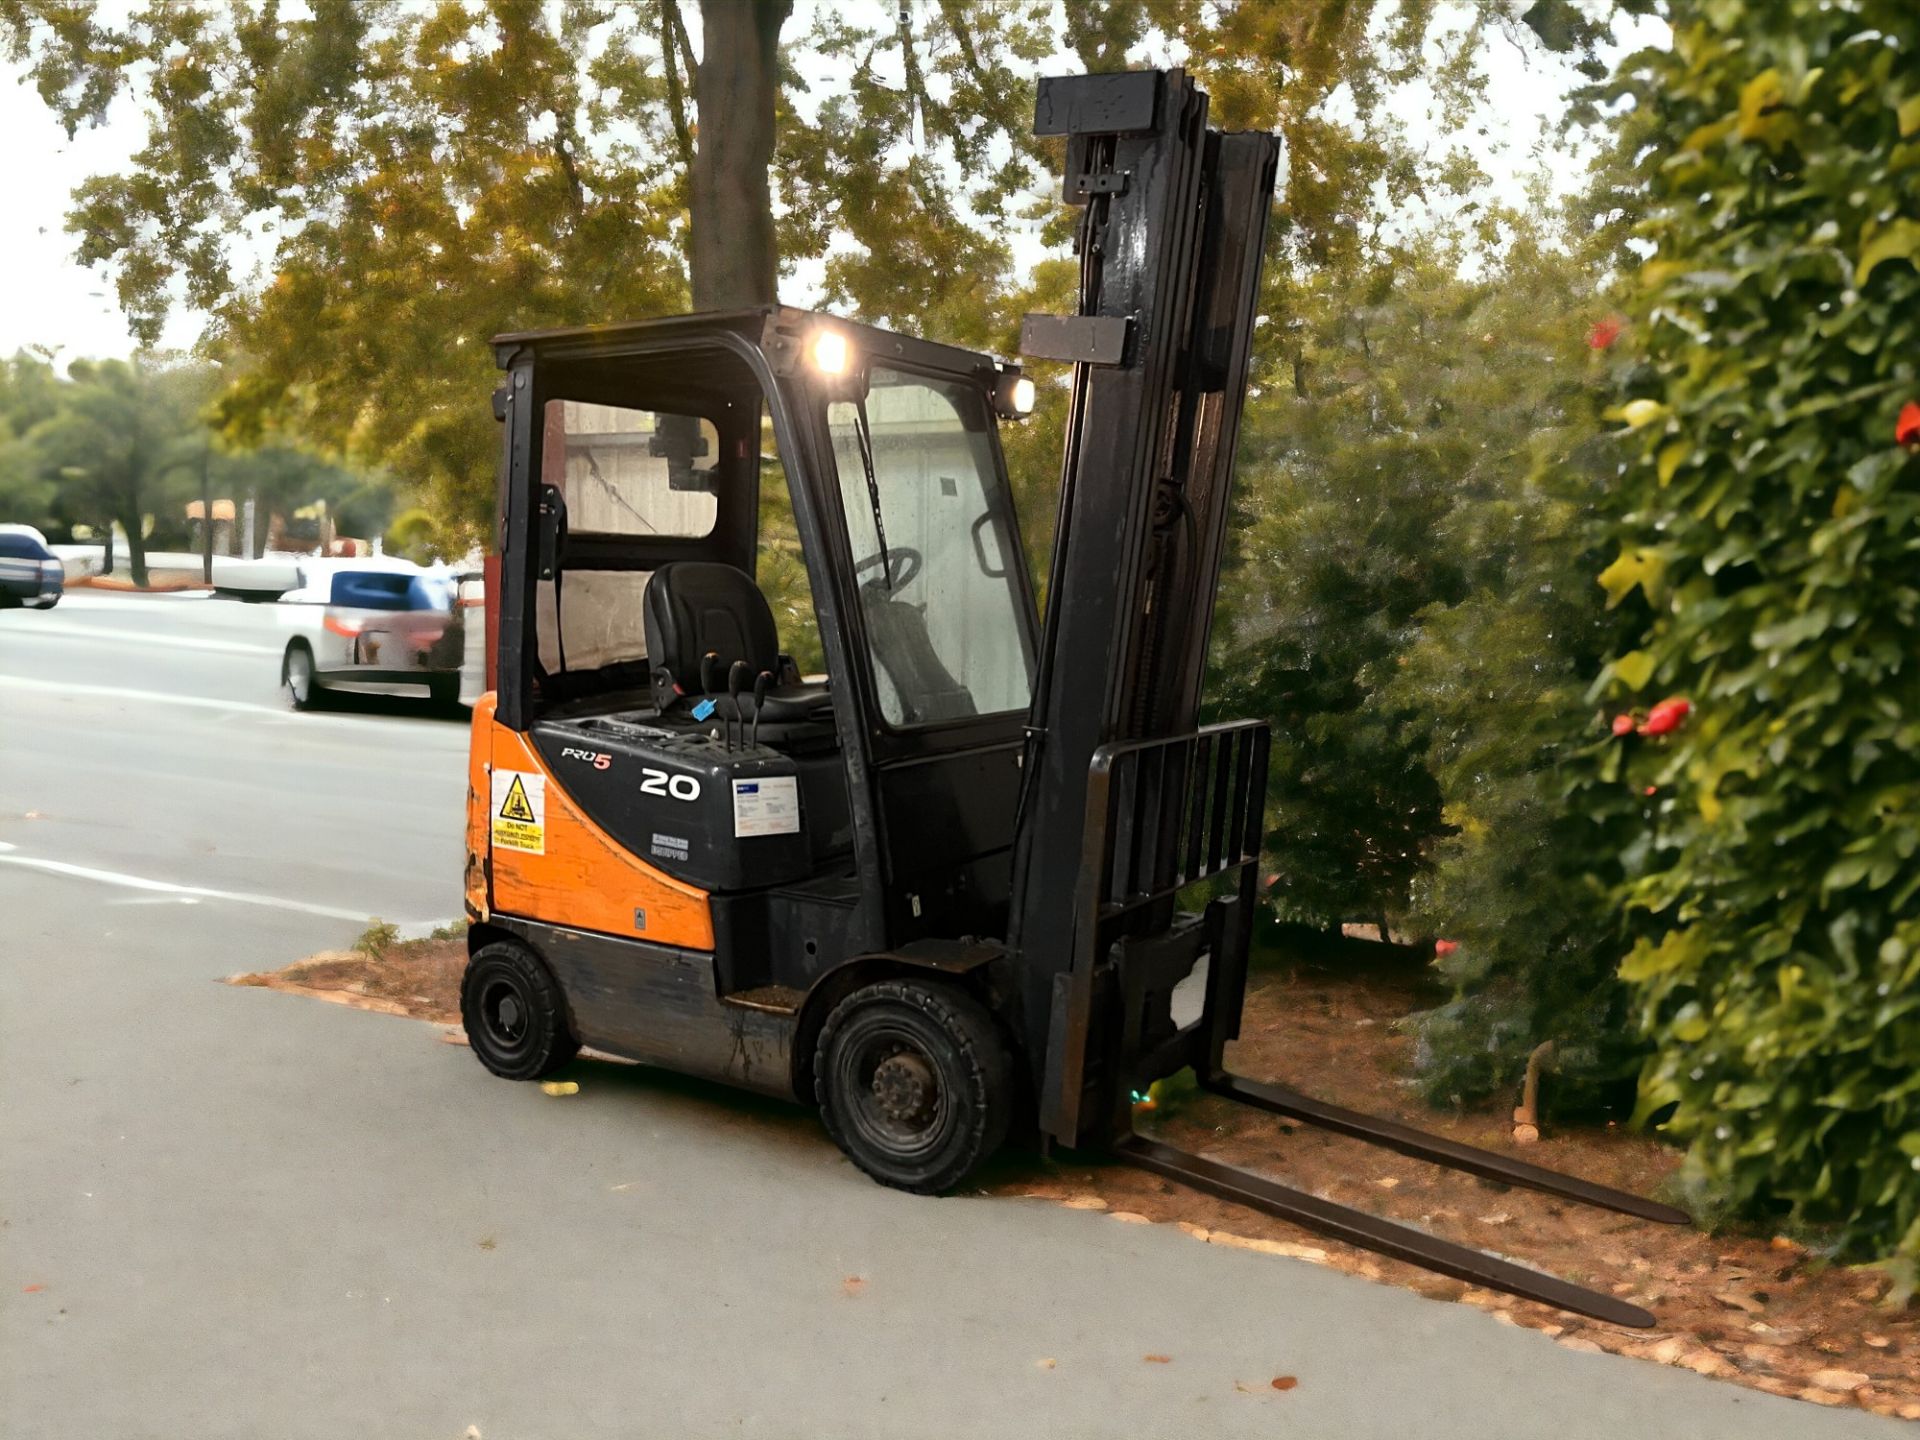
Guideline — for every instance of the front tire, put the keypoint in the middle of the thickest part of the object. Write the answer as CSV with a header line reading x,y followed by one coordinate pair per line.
x,y
915,1083
515,1016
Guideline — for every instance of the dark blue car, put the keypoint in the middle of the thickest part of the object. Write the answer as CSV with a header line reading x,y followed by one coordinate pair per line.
x,y
30,574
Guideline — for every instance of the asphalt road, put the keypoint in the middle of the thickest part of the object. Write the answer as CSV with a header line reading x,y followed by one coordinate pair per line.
x,y
232,1212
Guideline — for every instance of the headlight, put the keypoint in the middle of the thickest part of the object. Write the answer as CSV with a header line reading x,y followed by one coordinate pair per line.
x,y
830,352
1022,396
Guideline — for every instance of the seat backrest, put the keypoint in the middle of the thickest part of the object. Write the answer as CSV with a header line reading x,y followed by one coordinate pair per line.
x,y
926,690
697,606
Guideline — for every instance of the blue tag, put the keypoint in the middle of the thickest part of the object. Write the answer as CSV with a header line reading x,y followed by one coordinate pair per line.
x,y
703,710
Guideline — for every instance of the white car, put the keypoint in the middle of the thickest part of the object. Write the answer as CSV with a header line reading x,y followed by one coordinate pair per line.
x,y
376,626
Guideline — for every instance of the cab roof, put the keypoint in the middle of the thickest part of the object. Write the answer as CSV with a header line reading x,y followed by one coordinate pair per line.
x,y
753,325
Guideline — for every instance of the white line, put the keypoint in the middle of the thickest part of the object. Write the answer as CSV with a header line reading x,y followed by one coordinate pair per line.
x,y
278,714
236,897
86,597
117,692
58,631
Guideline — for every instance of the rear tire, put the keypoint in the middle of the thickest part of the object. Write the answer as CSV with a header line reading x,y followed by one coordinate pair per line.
x,y
915,1083
515,1015
300,678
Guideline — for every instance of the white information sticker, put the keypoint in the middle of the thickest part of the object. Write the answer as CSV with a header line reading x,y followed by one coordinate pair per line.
x,y
769,806
520,811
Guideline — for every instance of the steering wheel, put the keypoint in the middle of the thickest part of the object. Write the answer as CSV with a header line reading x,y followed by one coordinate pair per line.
x,y
906,565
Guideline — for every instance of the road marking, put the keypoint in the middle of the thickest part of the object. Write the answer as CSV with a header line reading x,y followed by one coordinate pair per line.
x,y
279,714
145,637
275,715
202,892
92,597
156,697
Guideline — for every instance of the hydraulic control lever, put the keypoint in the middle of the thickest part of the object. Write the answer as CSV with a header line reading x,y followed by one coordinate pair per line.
x,y
762,683
736,682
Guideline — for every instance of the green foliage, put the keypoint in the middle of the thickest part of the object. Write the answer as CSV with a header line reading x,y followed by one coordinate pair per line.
x,y
1386,478
114,446
126,443
424,176
379,935
415,535
26,398
1521,882
1764,541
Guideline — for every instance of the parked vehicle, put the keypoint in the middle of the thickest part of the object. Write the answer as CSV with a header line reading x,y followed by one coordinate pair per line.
x,y
30,573
373,626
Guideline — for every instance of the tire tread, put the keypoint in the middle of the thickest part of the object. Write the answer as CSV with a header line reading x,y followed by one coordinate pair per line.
x,y
983,1052
559,1045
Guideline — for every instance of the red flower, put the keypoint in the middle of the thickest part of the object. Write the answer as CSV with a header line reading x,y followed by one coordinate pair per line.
x,y
1605,332
1444,948
1623,724
1652,788
1906,430
1666,717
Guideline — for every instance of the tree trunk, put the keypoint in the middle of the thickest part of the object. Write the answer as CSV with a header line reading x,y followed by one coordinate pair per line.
x,y
206,511
136,548
734,251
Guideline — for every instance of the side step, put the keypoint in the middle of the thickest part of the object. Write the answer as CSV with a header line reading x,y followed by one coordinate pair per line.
x,y
1369,1232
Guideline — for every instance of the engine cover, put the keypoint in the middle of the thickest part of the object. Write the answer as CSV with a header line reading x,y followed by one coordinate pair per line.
x,y
682,801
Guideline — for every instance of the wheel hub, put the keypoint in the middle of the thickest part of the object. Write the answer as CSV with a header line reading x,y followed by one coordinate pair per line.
x,y
506,1015
904,1087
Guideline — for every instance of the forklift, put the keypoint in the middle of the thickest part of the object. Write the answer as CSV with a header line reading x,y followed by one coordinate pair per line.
x,y
949,871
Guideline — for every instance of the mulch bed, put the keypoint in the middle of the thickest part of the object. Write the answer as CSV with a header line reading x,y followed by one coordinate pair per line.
x,y
1756,1309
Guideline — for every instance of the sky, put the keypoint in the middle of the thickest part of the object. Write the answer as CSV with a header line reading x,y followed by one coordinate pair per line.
x,y
53,301
56,303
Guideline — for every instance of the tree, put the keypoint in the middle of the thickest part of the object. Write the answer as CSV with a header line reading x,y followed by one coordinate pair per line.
x,y
734,258
106,448
27,387
429,177
435,176
1761,543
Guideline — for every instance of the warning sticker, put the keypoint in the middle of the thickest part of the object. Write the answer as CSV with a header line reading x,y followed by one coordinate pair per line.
x,y
520,811
767,807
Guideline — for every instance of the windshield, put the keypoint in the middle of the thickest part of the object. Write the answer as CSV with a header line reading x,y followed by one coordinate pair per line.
x,y
928,517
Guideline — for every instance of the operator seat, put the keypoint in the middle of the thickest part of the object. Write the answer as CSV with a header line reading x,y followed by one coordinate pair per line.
x,y
697,607
926,690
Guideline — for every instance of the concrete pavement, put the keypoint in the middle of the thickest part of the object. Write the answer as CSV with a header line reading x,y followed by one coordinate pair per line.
x,y
255,1214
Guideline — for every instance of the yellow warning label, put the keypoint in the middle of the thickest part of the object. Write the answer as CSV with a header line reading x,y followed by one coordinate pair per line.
x,y
520,811
515,806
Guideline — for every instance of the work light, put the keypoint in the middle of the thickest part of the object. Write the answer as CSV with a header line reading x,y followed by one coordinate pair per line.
x,y
830,352
1013,396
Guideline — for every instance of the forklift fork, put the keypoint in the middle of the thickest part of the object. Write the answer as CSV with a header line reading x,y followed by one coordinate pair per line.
x,y
1169,814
